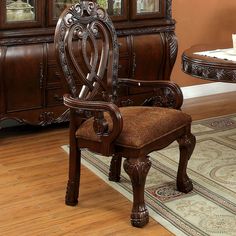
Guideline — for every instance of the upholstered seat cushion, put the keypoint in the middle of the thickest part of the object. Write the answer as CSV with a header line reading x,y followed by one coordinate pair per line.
x,y
141,125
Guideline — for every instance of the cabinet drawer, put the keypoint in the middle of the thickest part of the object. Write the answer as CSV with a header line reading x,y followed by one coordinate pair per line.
x,y
124,43
53,74
125,57
22,70
149,56
124,68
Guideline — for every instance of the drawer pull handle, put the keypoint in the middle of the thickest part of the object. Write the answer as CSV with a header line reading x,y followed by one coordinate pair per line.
x,y
58,98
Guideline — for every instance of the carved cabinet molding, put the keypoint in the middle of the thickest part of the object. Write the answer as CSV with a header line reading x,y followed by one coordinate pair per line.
x,y
31,89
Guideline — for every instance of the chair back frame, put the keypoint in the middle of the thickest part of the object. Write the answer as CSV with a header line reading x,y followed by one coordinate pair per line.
x,y
87,48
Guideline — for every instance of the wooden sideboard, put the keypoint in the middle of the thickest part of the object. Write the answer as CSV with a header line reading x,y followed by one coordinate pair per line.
x,y
31,88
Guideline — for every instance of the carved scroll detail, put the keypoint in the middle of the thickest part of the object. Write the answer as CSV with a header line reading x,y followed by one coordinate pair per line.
x,y
46,118
164,98
100,125
207,72
26,40
169,9
173,47
137,170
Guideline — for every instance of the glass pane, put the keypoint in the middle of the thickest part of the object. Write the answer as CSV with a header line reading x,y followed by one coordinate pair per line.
x,y
20,10
148,6
60,5
113,7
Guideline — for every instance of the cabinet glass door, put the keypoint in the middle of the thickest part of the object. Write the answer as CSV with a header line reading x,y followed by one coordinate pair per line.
x,y
56,7
20,10
21,13
60,5
113,7
117,9
148,8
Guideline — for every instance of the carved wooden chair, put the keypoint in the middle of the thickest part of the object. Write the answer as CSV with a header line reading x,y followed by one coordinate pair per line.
x,y
87,50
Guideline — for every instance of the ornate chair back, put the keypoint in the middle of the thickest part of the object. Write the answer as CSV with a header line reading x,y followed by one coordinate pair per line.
x,y
86,43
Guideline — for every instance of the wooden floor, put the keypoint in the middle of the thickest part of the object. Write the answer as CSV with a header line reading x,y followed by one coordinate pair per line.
x,y
33,176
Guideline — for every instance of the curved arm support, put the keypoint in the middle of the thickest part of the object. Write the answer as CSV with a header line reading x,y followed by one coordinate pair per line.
x,y
167,93
96,109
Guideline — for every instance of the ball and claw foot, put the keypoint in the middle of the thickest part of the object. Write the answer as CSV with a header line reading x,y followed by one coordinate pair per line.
x,y
140,219
185,186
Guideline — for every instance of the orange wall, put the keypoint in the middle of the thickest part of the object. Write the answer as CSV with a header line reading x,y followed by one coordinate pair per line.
x,y
201,21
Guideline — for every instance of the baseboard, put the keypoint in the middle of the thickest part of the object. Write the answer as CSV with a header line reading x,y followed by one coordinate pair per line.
x,y
207,89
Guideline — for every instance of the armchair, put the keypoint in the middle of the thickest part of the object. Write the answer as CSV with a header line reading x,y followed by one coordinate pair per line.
x,y
87,51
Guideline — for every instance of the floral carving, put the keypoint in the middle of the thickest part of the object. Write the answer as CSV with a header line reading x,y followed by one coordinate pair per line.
x,y
206,71
137,170
173,46
164,98
46,118
169,9
100,125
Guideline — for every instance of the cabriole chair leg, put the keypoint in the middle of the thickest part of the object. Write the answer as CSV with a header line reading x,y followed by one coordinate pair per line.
x,y
137,169
186,146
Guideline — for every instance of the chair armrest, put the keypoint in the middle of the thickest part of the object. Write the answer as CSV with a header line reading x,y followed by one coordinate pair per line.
x,y
96,109
167,93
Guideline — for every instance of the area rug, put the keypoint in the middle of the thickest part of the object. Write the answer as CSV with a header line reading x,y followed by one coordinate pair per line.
x,y
210,209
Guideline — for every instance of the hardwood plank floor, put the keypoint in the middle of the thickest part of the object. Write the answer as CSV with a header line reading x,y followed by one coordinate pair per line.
x,y
33,176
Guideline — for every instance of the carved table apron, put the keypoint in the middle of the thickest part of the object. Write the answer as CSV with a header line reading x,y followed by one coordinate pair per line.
x,y
208,68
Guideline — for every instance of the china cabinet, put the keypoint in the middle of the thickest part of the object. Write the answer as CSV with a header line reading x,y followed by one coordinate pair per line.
x,y
30,84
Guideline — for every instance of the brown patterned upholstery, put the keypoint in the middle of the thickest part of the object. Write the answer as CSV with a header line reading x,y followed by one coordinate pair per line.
x,y
142,125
